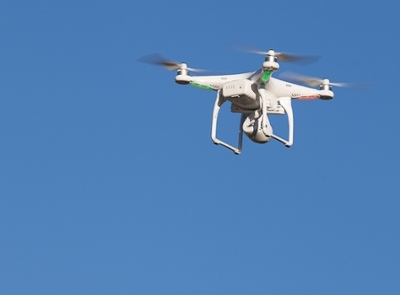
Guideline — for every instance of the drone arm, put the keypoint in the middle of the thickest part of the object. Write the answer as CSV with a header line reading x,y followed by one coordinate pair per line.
x,y
217,106
286,103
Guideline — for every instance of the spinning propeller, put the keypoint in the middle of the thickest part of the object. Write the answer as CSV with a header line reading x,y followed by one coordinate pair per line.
x,y
281,56
170,65
314,82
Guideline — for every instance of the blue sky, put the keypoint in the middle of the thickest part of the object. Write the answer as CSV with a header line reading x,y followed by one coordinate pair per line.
x,y
109,181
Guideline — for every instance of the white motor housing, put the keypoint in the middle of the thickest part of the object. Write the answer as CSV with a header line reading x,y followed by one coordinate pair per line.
x,y
241,93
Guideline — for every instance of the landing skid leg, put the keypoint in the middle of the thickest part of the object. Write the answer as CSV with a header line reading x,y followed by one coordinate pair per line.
x,y
286,103
217,106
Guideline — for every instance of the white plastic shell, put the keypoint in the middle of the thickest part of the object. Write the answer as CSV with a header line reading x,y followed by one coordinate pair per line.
x,y
238,88
270,66
240,93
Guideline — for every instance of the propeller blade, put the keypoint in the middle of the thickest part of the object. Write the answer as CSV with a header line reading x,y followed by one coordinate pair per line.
x,y
354,86
297,58
158,60
314,82
281,56
310,81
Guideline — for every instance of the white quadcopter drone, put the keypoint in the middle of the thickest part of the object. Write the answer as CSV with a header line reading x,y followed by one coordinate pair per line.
x,y
254,95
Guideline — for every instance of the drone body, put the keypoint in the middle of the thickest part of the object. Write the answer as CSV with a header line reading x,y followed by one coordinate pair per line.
x,y
254,95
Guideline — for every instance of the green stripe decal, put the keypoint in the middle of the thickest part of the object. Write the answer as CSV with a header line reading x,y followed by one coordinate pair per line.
x,y
197,85
266,76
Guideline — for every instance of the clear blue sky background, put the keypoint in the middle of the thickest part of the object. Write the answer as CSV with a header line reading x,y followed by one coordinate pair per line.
x,y
109,181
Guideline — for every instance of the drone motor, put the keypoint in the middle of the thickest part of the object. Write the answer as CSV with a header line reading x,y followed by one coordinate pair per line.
x,y
271,62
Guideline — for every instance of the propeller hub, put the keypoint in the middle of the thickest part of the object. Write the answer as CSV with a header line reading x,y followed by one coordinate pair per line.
x,y
271,62
271,58
182,70
325,85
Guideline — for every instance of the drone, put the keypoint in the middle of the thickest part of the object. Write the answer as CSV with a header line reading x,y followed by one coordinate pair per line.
x,y
254,95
